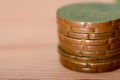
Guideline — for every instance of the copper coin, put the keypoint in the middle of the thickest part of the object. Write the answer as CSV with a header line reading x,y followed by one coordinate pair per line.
x,y
112,42
91,47
87,36
82,68
90,14
91,53
90,21
84,41
88,24
87,59
86,47
114,45
86,30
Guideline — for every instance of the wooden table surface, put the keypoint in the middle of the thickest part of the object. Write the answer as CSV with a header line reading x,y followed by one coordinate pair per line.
x,y
28,42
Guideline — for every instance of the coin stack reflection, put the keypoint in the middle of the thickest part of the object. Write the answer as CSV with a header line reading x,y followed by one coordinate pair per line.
x,y
89,37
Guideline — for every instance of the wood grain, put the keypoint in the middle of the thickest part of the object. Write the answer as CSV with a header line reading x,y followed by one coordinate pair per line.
x,y
28,42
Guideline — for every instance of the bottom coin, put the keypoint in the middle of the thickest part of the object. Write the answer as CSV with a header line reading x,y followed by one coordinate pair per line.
x,y
75,66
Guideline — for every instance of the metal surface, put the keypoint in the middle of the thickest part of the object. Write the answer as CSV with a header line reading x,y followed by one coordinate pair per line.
x,y
89,43
88,59
91,68
75,29
89,36
91,53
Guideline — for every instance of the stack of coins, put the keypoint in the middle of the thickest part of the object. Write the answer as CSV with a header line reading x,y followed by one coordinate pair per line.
x,y
89,36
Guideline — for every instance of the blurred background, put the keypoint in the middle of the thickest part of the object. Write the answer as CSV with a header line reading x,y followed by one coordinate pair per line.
x,y
28,41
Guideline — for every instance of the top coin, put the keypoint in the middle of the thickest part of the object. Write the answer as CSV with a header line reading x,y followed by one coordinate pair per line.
x,y
90,12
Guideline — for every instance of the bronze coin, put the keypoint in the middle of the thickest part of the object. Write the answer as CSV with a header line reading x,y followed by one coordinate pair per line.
x,y
90,47
84,41
87,36
113,40
117,33
70,28
114,45
90,14
85,53
87,24
93,32
87,47
87,59
91,53
82,68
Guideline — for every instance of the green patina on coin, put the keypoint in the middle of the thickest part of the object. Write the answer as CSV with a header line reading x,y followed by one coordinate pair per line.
x,y
90,12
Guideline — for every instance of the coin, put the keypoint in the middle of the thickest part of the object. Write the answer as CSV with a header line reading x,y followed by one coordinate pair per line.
x,y
81,68
86,47
114,41
95,30
85,53
88,24
86,30
87,36
87,59
90,48
91,53
114,45
85,41
90,13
